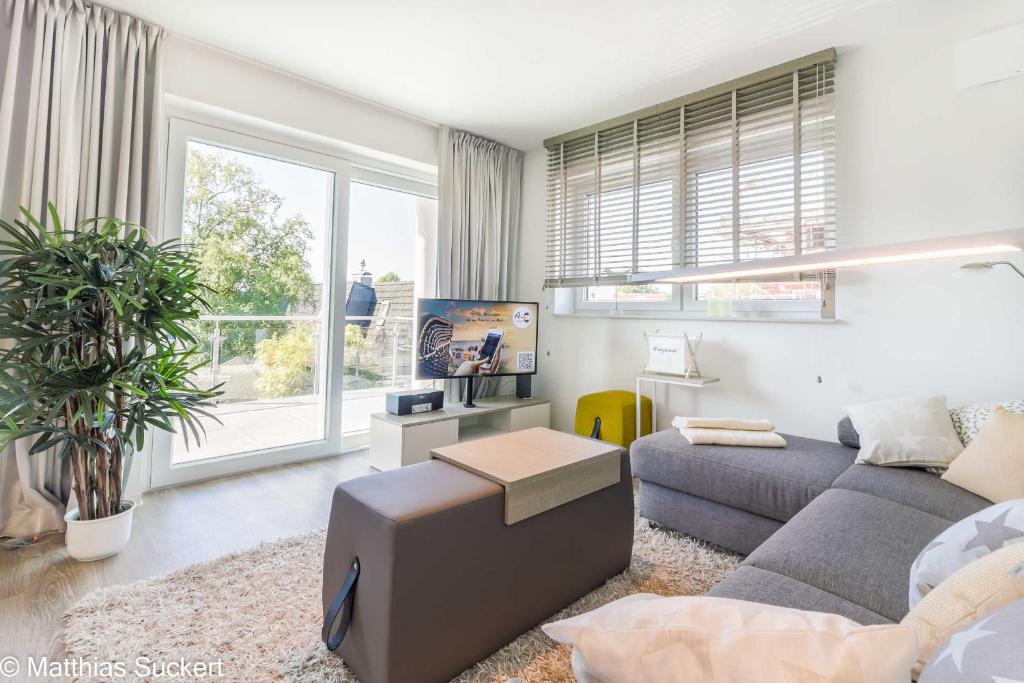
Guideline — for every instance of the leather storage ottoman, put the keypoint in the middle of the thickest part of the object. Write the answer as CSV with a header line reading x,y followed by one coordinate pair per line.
x,y
443,582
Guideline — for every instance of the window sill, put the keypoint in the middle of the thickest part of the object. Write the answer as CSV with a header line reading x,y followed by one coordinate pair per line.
x,y
700,317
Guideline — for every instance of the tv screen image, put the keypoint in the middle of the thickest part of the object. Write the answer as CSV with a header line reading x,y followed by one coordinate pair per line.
x,y
467,338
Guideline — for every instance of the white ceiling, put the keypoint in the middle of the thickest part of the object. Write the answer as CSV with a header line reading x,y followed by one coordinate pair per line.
x,y
513,70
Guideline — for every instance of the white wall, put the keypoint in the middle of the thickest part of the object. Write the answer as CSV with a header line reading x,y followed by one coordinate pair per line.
x,y
220,79
916,158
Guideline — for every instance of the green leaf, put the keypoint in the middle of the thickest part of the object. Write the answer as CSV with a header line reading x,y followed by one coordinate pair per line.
x,y
54,217
116,303
100,336
34,221
45,442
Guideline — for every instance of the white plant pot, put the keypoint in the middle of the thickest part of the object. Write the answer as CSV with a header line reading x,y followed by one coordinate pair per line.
x,y
94,539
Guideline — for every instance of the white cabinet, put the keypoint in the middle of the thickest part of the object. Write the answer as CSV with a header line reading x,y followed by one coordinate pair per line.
x,y
530,416
392,446
399,440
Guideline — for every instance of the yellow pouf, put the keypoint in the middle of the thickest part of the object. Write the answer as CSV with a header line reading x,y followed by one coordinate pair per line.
x,y
617,410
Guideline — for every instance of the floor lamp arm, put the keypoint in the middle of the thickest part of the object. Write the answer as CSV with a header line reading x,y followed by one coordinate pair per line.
x,y
1015,267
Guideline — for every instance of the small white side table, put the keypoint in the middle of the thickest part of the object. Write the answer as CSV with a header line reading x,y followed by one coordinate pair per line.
x,y
655,379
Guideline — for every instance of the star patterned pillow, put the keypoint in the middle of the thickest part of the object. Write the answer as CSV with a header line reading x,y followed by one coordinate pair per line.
x,y
982,533
987,650
905,432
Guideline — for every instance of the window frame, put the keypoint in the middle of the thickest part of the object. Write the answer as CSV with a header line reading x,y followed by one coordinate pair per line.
x,y
778,308
184,120
684,297
580,302
783,128
822,308
685,305
182,131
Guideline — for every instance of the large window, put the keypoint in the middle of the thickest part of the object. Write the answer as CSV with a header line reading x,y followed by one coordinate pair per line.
x,y
267,220
261,227
313,262
736,173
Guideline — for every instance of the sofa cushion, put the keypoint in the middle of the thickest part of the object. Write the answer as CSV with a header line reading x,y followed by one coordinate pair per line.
x,y
733,529
847,433
914,488
761,585
968,540
995,656
646,638
905,432
971,593
968,420
856,546
993,465
773,482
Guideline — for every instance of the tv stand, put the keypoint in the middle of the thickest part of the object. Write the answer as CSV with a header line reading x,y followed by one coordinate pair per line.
x,y
399,440
469,393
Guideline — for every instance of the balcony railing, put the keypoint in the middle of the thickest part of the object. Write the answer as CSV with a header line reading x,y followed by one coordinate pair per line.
x,y
270,367
278,357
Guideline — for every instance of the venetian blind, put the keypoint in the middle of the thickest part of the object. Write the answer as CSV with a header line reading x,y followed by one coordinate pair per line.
x,y
743,171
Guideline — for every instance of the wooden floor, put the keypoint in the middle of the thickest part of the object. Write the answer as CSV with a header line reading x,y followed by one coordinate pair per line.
x,y
172,528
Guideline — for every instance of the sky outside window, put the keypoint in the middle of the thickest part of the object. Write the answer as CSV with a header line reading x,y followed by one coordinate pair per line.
x,y
382,222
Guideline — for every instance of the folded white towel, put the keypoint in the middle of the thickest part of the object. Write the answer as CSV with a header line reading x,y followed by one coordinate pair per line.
x,y
732,437
723,423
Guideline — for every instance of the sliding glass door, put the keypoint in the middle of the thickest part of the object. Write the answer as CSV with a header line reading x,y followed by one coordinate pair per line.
x,y
268,223
391,238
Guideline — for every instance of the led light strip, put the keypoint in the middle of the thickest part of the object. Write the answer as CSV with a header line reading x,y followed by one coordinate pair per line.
x,y
986,244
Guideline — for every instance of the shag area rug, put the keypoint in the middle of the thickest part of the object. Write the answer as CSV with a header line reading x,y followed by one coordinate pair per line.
x,y
258,611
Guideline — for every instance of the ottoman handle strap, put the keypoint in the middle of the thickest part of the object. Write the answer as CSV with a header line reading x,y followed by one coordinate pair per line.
x,y
342,605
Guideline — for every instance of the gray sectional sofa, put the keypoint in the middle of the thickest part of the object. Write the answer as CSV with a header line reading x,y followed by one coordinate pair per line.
x,y
820,532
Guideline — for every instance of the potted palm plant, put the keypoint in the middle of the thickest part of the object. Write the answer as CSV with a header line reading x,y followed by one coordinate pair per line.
x,y
98,351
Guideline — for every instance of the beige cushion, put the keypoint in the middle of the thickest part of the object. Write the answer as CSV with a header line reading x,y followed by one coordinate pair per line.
x,y
993,465
970,593
905,432
652,639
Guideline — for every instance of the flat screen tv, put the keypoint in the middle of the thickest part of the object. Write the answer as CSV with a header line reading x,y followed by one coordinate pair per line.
x,y
462,338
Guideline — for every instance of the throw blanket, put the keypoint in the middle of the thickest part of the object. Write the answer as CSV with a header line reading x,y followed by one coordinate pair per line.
x,y
705,436
732,437
723,423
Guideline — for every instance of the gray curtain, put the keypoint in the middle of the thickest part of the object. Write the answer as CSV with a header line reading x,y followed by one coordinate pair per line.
x,y
79,126
479,192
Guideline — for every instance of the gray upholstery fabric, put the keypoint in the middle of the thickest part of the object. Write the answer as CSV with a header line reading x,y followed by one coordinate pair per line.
x,y
914,488
729,527
761,585
853,530
847,433
853,545
772,482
